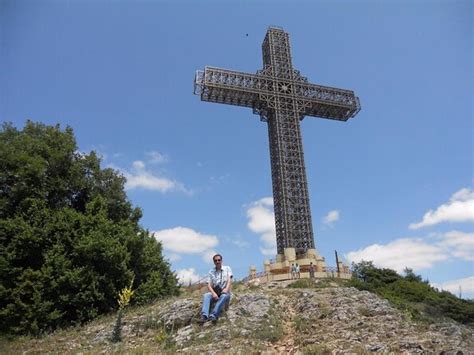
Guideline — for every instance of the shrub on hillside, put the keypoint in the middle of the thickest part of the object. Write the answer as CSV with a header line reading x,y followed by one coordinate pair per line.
x,y
410,293
69,237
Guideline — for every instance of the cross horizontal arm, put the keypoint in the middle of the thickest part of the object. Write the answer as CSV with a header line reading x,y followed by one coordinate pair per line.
x,y
228,87
326,102
250,90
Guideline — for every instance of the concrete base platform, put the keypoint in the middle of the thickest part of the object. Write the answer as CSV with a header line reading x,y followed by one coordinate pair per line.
x,y
280,268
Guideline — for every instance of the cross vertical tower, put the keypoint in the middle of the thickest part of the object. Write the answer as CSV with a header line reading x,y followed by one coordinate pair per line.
x,y
282,97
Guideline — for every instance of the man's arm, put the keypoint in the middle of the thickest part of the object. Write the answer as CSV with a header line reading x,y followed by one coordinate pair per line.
x,y
227,287
229,281
211,290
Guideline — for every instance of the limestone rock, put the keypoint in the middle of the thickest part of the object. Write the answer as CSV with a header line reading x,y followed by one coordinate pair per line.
x,y
178,314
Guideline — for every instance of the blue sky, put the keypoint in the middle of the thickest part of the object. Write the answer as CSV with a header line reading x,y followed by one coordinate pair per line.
x,y
394,184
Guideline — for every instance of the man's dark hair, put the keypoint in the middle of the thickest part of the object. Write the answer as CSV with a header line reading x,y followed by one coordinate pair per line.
x,y
217,255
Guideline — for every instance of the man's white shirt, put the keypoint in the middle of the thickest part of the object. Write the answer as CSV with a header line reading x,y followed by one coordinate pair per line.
x,y
219,277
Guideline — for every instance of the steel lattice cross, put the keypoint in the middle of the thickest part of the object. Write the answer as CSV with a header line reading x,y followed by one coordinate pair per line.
x,y
282,97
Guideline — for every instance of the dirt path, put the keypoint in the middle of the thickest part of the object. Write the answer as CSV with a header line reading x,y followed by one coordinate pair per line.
x,y
286,345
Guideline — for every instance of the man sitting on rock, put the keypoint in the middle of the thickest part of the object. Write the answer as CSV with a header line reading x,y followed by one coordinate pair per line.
x,y
219,284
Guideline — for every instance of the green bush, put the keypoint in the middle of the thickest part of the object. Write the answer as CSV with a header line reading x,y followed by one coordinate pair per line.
x,y
410,294
69,237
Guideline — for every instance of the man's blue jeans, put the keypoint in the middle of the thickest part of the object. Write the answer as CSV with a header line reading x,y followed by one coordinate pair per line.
x,y
206,304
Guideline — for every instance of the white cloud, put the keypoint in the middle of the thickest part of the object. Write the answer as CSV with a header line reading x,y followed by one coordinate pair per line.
x,y
331,217
174,257
460,208
466,286
262,222
138,165
463,195
147,181
418,253
460,244
155,157
398,254
186,276
140,178
183,240
261,216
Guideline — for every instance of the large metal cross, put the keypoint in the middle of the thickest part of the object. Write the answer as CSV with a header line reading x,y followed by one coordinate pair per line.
x,y
282,97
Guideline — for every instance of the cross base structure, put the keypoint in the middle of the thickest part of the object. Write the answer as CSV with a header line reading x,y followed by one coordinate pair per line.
x,y
279,269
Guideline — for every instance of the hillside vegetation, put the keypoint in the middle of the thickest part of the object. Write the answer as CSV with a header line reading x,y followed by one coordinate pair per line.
x,y
69,237
411,294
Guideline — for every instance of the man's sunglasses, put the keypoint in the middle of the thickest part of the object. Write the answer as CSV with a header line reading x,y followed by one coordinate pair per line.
x,y
216,260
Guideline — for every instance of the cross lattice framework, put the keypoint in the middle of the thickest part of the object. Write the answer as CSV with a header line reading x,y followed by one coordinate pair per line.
x,y
282,97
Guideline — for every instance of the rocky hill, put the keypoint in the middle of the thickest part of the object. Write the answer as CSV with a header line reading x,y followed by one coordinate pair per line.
x,y
326,318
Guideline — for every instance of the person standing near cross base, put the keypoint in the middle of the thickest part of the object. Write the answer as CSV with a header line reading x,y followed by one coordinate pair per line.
x,y
311,270
219,284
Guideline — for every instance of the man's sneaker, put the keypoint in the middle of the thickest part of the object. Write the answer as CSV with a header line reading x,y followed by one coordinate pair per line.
x,y
203,319
213,319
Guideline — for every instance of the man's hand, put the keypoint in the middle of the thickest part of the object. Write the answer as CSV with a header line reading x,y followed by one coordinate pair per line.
x,y
214,296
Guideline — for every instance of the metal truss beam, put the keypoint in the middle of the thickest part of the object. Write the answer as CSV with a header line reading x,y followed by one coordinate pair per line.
x,y
253,90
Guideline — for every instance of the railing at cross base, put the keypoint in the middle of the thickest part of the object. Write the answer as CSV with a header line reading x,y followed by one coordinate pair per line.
x,y
329,270
253,277
201,281
196,285
298,257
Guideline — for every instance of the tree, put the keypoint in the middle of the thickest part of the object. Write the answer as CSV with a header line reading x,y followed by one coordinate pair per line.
x,y
69,237
367,272
411,276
